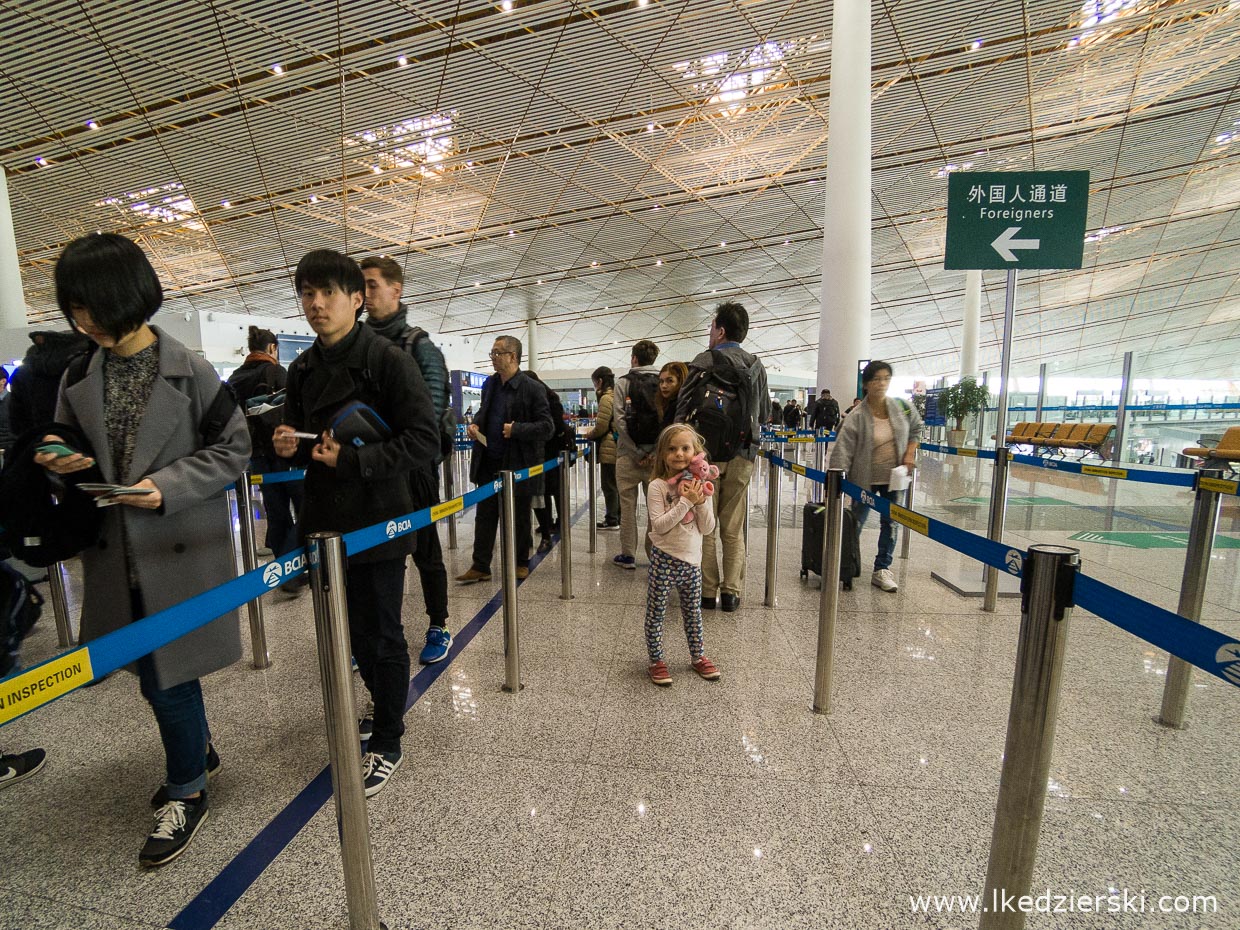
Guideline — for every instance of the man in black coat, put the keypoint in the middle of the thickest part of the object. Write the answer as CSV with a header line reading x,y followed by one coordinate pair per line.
x,y
35,385
827,412
509,431
349,486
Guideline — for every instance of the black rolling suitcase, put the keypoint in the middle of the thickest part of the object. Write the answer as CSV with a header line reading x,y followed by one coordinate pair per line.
x,y
811,545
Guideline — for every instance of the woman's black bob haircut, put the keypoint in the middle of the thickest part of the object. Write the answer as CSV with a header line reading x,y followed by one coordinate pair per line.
x,y
111,277
326,268
873,369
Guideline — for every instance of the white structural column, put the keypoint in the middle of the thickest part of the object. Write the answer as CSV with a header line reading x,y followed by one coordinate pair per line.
x,y
844,323
12,298
531,345
972,323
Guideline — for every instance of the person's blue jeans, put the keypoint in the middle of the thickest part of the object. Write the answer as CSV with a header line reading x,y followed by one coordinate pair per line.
x,y
182,720
886,528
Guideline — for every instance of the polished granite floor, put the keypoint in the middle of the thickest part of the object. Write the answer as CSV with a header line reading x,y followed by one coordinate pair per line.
x,y
592,799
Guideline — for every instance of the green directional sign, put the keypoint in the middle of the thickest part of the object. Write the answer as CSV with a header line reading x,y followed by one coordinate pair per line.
x,y
1151,540
1017,501
1016,219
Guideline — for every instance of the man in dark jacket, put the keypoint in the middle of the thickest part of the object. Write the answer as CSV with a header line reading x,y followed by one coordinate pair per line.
x,y
827,412
509,431
36,384
728,329
6,432
349,487
386,315
261,375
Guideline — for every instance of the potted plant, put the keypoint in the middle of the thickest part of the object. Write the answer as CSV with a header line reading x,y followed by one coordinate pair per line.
x,y
963,398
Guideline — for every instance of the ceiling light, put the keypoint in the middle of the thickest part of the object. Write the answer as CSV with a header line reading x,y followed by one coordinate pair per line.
x,y
643,2
277,69
225,204
512,232
40,161
402,61
593,264
314,198
785,242
376,169
659,262
91,124
477,284
977,43
539,281
723,243
650,127
506,6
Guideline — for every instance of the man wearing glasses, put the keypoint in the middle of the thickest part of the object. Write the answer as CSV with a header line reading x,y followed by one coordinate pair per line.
x,y
512,424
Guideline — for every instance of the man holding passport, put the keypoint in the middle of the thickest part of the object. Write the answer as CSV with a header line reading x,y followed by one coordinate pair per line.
x,y
366,403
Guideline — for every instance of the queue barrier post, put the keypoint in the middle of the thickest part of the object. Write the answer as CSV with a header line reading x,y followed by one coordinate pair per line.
x,y
820,463
994,532
566,528
249,562
449,492
592,465
508,574
1046,586
908,505
1206,505
772,533
60,604
829,596
331,623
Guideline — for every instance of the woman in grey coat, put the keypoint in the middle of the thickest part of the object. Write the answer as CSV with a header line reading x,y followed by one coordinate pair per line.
x,y
141,404
880,434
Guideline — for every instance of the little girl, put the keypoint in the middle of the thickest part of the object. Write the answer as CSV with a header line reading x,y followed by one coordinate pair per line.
x,y
677,554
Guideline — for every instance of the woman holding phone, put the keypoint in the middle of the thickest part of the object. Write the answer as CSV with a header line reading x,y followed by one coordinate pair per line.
x,y
152,413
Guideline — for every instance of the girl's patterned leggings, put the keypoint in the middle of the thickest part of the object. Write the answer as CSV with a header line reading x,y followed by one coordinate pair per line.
x,y
665,571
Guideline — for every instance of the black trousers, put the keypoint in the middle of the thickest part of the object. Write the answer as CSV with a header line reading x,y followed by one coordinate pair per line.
x,y
427,552
375,593
549,521
486,525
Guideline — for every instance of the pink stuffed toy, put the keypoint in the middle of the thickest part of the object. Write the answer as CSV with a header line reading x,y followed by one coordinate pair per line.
x,y
698,468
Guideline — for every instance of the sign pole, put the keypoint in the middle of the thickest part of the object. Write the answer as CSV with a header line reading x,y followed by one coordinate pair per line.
x,y
1005,357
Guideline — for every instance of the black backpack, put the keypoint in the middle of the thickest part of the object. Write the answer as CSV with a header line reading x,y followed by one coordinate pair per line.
x,y
37,524
641,413
447,418
719,407
20,606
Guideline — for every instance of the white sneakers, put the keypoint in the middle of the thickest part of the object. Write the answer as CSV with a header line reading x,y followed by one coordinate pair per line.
x,y
884,579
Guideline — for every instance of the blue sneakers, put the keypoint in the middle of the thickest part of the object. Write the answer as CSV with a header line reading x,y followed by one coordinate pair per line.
x,y
627,562
438,642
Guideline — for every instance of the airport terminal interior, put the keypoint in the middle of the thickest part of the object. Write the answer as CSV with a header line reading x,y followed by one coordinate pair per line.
x,y
584,174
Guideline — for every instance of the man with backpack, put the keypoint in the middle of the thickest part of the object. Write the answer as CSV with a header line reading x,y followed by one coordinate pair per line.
x,y
725,399
386,316
827,412
637,426
365,401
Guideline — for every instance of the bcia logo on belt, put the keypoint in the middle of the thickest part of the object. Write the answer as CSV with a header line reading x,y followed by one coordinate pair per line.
x,y
393,528
272,574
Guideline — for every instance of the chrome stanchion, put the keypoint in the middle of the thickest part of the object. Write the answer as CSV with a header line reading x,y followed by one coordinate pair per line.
x,y
508,569
249,561
592,465
820,464
449,492
331,622
566,528
60,604
829,596
1201,531
908,505
772,534
1046,606
998,511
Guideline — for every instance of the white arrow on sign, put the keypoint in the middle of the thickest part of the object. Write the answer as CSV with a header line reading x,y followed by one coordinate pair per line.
x,y
1005,243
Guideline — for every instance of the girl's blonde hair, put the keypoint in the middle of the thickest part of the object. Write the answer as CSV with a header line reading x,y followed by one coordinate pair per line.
x,y
665,443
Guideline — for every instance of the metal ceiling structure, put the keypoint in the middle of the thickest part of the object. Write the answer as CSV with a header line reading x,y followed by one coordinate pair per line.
x,y
613,169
